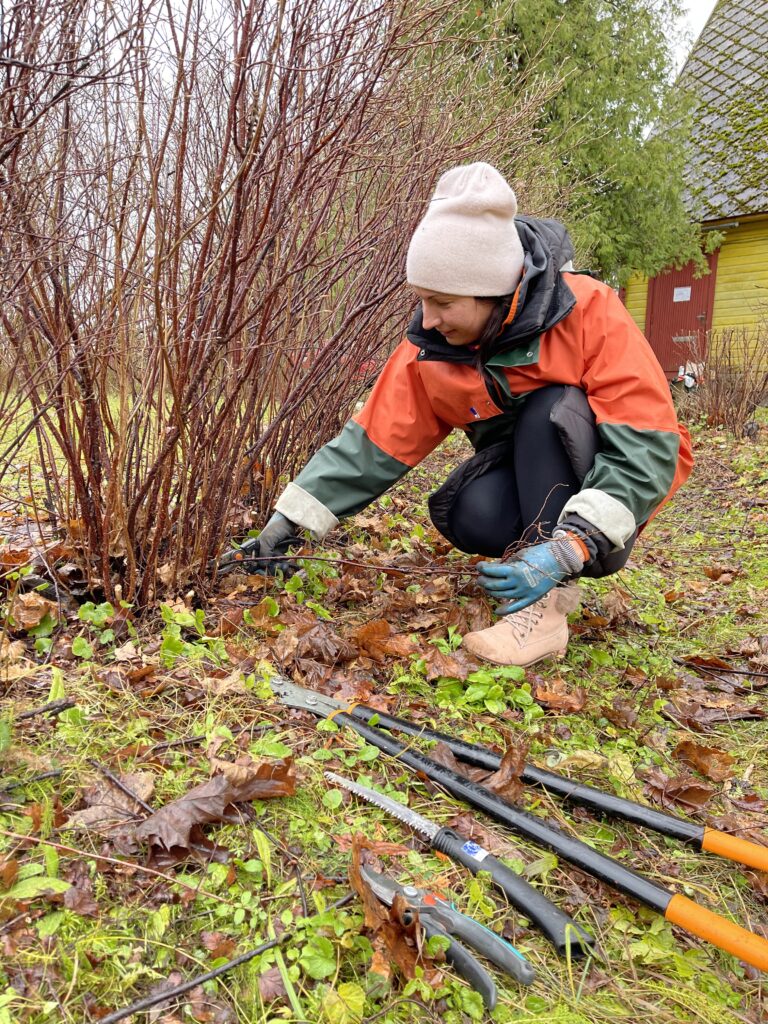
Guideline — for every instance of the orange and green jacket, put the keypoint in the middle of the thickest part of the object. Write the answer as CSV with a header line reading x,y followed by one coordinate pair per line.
x,y
566,328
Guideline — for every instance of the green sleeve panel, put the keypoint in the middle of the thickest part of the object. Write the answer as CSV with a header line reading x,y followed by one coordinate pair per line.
x,y
350,472
636,467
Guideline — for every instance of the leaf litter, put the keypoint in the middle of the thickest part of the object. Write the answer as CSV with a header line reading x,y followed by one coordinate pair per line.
x,y
373,634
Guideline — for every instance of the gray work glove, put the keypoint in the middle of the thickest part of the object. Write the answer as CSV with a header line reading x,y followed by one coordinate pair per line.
x,y
262,554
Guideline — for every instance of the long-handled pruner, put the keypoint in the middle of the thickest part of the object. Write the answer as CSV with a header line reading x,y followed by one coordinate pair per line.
x,y
439,917
700,837
566,936
674,907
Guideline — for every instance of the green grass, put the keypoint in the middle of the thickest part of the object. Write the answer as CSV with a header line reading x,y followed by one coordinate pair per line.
x,y
65,965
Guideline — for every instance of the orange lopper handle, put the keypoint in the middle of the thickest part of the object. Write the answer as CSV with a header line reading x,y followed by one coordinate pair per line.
x,y
733,848
724,934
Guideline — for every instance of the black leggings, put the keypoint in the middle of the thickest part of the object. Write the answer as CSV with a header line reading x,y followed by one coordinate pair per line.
x,y
520,500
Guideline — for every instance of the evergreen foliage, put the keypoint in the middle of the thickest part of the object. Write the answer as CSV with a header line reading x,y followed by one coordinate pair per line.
x,y
614,132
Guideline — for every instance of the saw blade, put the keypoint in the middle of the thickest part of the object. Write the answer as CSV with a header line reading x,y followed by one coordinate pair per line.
x,y
405,814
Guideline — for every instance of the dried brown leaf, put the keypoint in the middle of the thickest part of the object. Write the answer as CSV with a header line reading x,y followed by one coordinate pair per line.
x,y
284,646
9,869
707,661
376,640
230,621
79,899
322,644
475,615
470,828
684,790
758,881
703,711
29,610
170,827
715,764
380,961
427,619
721,573
554,694
621,713
452,666
109,809
748,802
218,944
397,941
271,985
618,606
11,558
506,779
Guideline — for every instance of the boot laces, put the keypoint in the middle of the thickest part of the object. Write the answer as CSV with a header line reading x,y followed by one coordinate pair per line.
x,y
521,623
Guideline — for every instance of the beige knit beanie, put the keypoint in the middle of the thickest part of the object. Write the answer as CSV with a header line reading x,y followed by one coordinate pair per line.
x,y
467,243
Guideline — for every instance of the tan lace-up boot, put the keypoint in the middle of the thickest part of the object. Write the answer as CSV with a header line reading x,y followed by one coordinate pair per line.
x,y
525,637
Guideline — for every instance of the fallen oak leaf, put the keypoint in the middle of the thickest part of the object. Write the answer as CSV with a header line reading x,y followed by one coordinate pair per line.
x,y
703,712
706,661
618,606
450,666
684,790
506,779
11,558
284,646
748,802
79,898
29,610
171,826
321,643
469,827
377,641
715,764
312,674
555,695
218,944
721,573
622,714
109,809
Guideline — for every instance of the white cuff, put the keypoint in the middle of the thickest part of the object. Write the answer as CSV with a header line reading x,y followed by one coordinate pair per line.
x,y
306,511
607,514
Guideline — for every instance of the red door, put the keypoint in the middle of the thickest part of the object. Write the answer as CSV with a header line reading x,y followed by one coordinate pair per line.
x,y
679,315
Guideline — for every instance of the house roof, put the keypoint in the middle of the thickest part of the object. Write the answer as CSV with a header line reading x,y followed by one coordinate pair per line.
x,y
727,72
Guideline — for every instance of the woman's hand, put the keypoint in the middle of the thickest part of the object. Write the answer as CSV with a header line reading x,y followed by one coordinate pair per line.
x,y
262,554
532,573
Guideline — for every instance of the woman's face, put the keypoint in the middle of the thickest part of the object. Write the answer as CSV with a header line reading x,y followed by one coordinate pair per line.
x,y
459,318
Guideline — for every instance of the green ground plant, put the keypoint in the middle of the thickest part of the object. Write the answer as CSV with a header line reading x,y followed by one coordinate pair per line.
x,y
87,927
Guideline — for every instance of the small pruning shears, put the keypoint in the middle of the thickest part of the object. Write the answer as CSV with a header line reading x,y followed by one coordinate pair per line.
x,y
439,917
568,938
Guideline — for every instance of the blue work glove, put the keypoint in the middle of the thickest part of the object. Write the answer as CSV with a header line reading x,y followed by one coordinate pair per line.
x,y
532,573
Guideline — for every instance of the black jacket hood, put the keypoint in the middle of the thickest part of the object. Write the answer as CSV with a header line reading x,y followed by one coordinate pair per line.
x,y
544,297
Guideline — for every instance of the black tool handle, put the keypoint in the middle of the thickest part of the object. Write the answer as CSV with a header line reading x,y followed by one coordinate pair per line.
x,y
462,961
525,824
597,800
561,930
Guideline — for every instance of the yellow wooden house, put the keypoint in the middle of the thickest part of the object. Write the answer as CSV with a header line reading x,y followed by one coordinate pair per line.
x,y
726,179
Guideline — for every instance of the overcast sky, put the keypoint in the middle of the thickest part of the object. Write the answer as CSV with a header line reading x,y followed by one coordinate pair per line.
x,y
692,23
